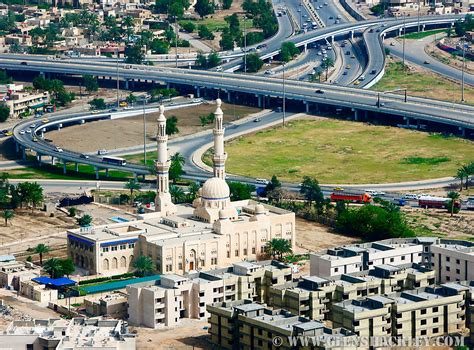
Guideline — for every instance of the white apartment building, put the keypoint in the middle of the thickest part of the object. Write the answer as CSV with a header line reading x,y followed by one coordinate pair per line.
x,y
21,102
176,297
77,333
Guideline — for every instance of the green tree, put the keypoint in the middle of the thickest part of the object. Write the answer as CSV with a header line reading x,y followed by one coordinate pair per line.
x,y
84,220
240,191
4,78
326,64
288,50
143,265
177,194
254,63
205,33
41,249
227,40
189,27
4,113
461,174
159,47
193,190
90,83
53,267
97,103
67,267
201,60
29,193
226,4
134,55
7,215
213,60
172,125
454,197
273,184
131,99
310,189
72,211
204,7
277,247
132,185
176,168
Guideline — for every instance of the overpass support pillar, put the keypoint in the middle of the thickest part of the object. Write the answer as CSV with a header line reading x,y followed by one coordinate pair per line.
x,y
366,115
356,114
198,91
126,83
423,26
106,172
306,103
332,39
463,131
23,153
64,167
352,34
418,123
17,147
400,31
305,47
96,173
60,126
53,160
229,97
76,167
38,159
407,120
259,97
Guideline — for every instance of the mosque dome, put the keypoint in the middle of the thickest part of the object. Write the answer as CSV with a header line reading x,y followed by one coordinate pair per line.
x,y
259,209
215,189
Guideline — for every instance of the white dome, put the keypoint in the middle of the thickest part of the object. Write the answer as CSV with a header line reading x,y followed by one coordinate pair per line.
x,y
259,209
215,188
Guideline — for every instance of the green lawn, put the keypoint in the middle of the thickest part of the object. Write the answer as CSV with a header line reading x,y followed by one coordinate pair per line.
x,y
422,84
335,151
421,35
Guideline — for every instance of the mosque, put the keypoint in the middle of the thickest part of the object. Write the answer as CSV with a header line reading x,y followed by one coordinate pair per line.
x,y
213,232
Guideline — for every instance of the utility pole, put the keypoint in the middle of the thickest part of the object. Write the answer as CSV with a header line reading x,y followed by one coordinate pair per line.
x,y
144,132
462,70
404,32
419,3
284,95
118,82
176,46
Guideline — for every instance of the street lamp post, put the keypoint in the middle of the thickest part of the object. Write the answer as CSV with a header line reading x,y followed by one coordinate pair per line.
x,y
462,68
284,95
176,46
245,45
404,32
118,82
144,132
419,3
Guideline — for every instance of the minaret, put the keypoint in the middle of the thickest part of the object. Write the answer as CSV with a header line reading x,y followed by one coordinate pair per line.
x,y
163,203
219,154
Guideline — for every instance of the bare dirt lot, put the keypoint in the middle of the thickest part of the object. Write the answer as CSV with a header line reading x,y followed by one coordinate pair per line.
x,y
126,132
190,334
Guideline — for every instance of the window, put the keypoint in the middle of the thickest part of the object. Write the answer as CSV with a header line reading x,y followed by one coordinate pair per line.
x,y
448,258
123,246
355,323
245,251
228,254
336,269
403,257
423,322
236,252
392,259
131,245
458,261
458,271
105,249
253,251
423,311
201,314
213,261
180,266
113,248
435,309
448,278
448,268
436,320
423,332
435,330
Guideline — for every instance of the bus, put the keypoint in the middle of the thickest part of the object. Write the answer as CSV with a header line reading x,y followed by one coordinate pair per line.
x,y
114,160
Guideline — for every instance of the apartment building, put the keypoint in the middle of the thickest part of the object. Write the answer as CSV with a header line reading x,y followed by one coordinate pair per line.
x,y
23,102
13,272
77,333
176,297
430,311
453,260
247,325
313,296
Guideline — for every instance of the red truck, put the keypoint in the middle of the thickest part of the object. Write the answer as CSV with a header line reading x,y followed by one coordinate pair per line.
x,y
355,198
436,202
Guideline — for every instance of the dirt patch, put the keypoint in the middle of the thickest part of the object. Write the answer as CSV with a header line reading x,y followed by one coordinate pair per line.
x,y
189,334
126,132
449,59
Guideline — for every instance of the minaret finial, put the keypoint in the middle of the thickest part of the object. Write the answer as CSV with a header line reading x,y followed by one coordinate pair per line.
x,y
219,154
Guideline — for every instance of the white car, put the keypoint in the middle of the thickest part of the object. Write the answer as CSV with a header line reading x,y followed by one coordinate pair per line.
x,y
262,181
371,192
22,132
410,196
58,149
102,152
28,131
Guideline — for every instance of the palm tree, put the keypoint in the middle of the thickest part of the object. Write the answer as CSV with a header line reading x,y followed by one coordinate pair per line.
x,y
143,265
193,190
41,249
7,215
132,185
278,246
53,267
177,157
84,220
453,196
326,64
461,174
177,193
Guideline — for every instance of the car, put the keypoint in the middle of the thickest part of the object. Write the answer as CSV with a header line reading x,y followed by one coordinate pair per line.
x,y
95,111
381,104
299,10
426,62
338,189
412,196
262,181
256,120
123,104
382,193
325,4
304,16
362,78
269,72
102,152
219,69
85,156
348,66
329,47
371,30
373,71
9,133
24,63
45,120
348,52
357,82
319,91
32,126
378,30
197,100
261,46
392,44
344,73
353,56
35,139
58,149
331,17
28,131
320,53
371,192
337,21
22,132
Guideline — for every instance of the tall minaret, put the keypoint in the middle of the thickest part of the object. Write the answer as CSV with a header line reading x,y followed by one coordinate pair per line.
x,y
163,203
219,154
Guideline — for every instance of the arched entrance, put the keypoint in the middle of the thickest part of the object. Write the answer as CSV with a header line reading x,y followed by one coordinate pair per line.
x,y
192,260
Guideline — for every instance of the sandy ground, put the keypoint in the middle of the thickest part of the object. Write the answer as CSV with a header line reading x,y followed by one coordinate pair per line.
x,y
126,132
444,57
190,334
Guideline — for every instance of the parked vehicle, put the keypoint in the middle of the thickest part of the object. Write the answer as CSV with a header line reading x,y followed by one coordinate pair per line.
x,y
436,202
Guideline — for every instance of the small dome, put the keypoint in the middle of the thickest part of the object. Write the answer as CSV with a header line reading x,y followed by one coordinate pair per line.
x,y
222,215
259,209
215,188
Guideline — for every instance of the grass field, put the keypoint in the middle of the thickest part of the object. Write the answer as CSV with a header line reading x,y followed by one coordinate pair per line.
x,y
421,35
335,151
422,84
